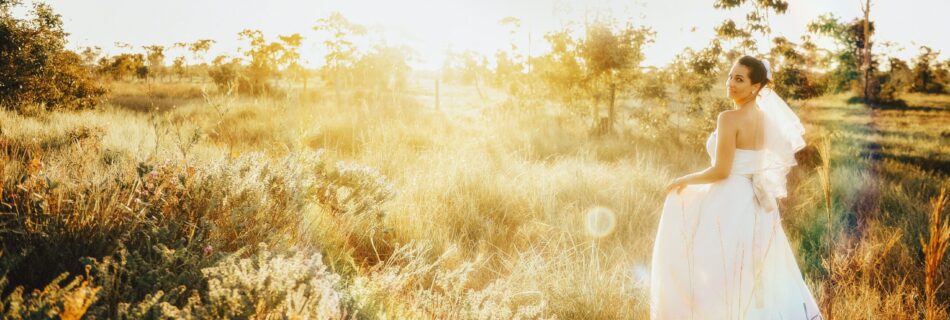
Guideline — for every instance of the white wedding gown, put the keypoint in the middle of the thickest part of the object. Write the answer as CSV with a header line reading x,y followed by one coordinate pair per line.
x,y
719,255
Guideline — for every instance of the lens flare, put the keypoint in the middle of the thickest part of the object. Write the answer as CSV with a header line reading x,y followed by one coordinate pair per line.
x,y
600,221
640,275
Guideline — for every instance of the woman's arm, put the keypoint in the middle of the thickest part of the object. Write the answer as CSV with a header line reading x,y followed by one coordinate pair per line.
x,y
722,165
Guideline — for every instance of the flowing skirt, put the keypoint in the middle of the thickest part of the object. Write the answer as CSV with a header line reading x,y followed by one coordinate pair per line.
x,y
717,255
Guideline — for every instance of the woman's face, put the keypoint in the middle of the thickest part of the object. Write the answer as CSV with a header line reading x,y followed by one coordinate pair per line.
x,y
739,86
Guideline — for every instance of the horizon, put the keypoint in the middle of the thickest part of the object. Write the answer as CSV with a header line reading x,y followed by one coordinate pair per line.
x,y
473,25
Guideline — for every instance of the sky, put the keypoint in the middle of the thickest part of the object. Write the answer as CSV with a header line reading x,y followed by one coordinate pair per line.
x,y
433,27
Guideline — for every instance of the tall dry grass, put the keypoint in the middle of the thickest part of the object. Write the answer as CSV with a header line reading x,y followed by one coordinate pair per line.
x,y
390,209
934,249
823,171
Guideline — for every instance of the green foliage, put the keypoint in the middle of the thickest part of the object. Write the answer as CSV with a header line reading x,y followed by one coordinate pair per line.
x,y
756,20
36,71
790,76
849,38
928,76
896,81
695,72
777,5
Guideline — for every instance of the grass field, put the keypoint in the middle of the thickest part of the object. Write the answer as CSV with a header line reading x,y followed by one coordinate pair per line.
x,y
171,201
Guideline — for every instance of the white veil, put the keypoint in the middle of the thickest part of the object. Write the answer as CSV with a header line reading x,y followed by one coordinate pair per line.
x,y
783,138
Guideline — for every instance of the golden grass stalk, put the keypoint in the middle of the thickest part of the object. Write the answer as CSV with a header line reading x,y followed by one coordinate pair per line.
x,y
934,249
824,178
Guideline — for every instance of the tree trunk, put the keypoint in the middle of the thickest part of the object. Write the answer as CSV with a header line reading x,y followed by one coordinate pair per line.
x,y
478,88
867,51
611,111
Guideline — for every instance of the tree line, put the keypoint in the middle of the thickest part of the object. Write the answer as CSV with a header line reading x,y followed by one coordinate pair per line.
x,y
589,67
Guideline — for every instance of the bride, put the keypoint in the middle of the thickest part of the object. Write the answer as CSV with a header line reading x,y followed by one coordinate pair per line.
x,y
720,251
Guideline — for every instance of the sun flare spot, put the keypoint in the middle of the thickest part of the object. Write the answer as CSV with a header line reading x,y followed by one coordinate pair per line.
x,y
600,221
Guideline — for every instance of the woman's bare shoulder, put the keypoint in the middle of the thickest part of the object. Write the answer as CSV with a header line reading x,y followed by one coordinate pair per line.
x,y
729,117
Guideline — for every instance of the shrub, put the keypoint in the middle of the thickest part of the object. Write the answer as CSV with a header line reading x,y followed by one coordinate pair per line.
x,y
69,301
35,68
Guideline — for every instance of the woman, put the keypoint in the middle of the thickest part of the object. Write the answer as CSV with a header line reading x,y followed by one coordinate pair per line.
x,y
720,251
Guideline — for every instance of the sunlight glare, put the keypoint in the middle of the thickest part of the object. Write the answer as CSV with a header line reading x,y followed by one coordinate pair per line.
x,y
600,222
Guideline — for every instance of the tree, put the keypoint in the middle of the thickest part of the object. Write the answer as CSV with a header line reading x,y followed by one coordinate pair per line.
x,y
124,65
290,58
942,74
225,73
815,59
508,72
695,72
198,49
612,58
383,68
90,55
264,61
560,69
866,54
850,41
179,67
35,67
756,20
510,64
789,75
898,79
342,52
468,67
925,75
155,54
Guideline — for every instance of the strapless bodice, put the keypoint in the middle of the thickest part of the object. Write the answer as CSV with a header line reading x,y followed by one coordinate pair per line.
x,y
745,161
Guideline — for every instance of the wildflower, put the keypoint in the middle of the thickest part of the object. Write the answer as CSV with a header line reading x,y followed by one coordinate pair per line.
x,y
208,249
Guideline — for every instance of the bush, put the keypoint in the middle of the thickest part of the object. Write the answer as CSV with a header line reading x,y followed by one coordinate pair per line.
x,y
794,83
148,231
226,75
265,285
69,301
35,68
